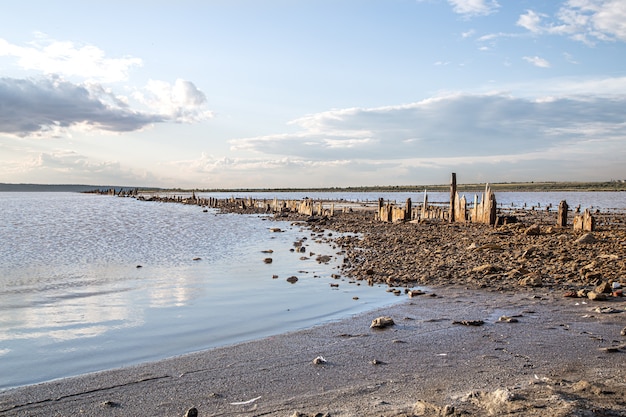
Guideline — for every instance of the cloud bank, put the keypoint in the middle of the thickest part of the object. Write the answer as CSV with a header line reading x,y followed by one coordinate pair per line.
x,y
461,125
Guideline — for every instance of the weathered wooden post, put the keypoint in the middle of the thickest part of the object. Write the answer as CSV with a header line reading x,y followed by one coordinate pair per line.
x,y
561,219
451,217
408,209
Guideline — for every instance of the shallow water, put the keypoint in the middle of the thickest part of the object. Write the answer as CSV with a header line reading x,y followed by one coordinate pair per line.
x,y
73,300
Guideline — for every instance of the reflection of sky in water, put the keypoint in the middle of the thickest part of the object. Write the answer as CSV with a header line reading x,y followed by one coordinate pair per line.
x,y
72,299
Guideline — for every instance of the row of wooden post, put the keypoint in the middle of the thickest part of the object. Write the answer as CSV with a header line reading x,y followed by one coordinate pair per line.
x,y
483,211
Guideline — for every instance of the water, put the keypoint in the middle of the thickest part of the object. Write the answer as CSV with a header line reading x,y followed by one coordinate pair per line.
x,y
73,300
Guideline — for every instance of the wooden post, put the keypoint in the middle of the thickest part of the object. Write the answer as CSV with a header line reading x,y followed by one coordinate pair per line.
x,y
452,197
408,210
561,219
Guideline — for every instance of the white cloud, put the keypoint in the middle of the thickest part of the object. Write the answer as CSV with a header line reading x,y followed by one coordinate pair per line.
x,y
531,21
537,61
454,126
468,34
181,102
474,7
586,21
52,107
50,56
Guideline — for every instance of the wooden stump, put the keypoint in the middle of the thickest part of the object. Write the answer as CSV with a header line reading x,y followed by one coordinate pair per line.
x,y
561,219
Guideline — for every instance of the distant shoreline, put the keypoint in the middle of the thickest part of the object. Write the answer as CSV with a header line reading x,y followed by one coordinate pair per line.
x,y
506,186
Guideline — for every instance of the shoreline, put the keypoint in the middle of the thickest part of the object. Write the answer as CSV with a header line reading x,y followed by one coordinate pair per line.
x,y
424,364
426,361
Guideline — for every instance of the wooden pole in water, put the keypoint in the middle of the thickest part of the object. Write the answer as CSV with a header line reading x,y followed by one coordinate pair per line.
x,y
452,198
561,219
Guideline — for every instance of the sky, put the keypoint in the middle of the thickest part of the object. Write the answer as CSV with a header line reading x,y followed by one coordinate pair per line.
x,y
311,93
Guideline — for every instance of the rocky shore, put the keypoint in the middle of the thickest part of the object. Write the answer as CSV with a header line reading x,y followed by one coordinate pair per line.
x,y
524,319
531,252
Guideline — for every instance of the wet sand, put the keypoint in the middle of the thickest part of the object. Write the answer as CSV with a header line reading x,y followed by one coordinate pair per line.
x,y
531,351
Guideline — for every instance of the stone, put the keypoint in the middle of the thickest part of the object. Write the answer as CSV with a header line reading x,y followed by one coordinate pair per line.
x,y
623,332
486,269
192,412
533,230
319,360
604,288
469,322
532,280
292,279
592,295
268,260
587,238
382,322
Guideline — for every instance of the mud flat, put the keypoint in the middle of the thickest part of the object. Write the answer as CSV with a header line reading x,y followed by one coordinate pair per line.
x,y
505,325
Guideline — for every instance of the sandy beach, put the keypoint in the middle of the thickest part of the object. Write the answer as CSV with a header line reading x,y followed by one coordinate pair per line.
x,y
505,326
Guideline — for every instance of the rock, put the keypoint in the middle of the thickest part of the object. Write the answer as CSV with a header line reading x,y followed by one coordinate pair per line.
x,y
192,412
592,295
319,360
593,276
486,269
570,294
382,322
606,310
268,260
623,332
275,230
532,280
469,322
605,288
508,319
586,239
323,259
533,230
292,279
582,293
415,293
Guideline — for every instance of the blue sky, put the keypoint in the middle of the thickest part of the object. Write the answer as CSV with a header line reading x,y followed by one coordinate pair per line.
x,y
318,93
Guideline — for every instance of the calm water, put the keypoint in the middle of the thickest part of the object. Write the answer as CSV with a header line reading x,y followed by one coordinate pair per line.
x,y
72,299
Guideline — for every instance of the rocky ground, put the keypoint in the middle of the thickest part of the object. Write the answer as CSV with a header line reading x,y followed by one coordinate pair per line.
x,y
529,253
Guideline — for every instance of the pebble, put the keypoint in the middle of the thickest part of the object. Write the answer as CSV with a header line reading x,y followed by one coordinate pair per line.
x,y
382,322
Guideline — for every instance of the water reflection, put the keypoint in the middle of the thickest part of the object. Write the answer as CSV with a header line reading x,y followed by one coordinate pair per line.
x,y
72,299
